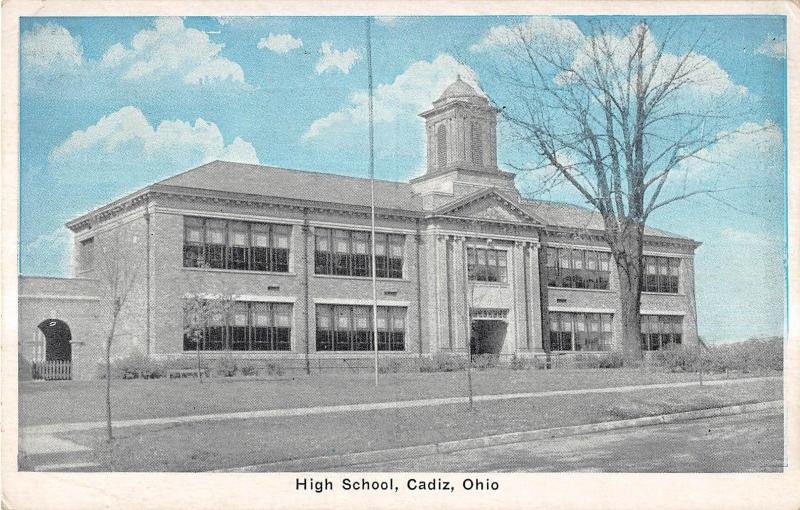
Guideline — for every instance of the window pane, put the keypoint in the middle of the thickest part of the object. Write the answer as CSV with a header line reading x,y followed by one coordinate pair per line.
x,y
281,234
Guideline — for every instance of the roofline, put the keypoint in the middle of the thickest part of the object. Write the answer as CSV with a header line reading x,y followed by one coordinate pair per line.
x,y
273,167
146,192
430,175
455,102
143,192
478,194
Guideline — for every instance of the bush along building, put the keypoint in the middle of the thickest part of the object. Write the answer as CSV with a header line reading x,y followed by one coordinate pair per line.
x,y
462,262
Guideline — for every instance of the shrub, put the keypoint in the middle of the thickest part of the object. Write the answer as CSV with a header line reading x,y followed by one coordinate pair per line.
x,y
134,365
390,366
248,369
751,356
613,359
273,368
482,361
519,363
225,366
443,362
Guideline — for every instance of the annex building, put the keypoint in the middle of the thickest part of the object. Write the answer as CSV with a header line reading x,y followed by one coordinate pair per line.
x,y
292,250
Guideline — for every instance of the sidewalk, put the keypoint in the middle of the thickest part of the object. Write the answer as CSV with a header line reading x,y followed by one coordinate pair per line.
x,y
369,460
304,411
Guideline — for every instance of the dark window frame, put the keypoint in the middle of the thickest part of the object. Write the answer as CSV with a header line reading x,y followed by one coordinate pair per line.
x,y
568,267
223,334
355,333
660,331
575,331
229,254
661,274
389,253
487,264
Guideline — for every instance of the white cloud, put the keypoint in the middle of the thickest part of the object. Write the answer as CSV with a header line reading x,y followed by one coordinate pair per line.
x,y
124,145
546,32
747,238
750,152
49,254
772,46
280,43
170,49
50,45
411,92
332,59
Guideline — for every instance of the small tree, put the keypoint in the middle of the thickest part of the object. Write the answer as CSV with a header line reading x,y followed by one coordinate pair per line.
x,y
198,312
117,271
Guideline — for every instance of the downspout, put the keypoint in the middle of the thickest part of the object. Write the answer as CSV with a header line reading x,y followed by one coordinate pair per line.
x,y
305,289
147,282
418,240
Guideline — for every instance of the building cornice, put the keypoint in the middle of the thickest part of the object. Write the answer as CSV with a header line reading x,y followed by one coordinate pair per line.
x,y
153,192
574,234
156,191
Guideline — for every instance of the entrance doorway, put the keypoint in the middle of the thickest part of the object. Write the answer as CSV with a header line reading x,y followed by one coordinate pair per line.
x,y
487,336
57,337
52,355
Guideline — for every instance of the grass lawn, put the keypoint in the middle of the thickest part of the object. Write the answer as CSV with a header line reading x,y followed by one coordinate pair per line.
x,y
214,445
77,401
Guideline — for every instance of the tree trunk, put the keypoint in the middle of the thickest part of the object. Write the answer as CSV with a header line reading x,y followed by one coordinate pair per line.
x,y
109,433
628,259
199,371
544,300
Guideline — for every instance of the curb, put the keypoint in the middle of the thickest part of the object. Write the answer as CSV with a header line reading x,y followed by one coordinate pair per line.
x,y
369,457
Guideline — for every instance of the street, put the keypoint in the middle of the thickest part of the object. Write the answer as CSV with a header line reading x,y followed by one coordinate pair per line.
x,y
744,443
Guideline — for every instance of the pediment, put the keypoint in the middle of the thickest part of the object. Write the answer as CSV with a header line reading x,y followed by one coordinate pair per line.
x,y
487,205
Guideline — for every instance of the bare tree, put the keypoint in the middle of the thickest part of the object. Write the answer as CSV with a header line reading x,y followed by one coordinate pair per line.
x,y
118,270
616,116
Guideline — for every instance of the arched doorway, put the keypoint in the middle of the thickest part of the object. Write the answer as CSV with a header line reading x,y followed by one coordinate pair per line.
x,y
52,351
57,338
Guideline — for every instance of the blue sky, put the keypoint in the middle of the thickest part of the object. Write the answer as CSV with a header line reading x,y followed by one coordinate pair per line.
x,y
109,105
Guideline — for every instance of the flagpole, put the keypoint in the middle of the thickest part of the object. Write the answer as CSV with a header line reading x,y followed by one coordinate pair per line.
x,y
372,202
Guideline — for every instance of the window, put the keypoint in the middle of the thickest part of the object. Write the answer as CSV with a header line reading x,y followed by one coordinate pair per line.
x,y
487,265
661,331
577,268
476,145
240,245
349,328
441,146
661,274
347,253
247,327
86,259
577,331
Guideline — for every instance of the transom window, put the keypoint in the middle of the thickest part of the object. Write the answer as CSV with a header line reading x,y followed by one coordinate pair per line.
x,y
247,326
660,331
347,253
487,265
577,331
247,246
661,274
349,328
577,268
